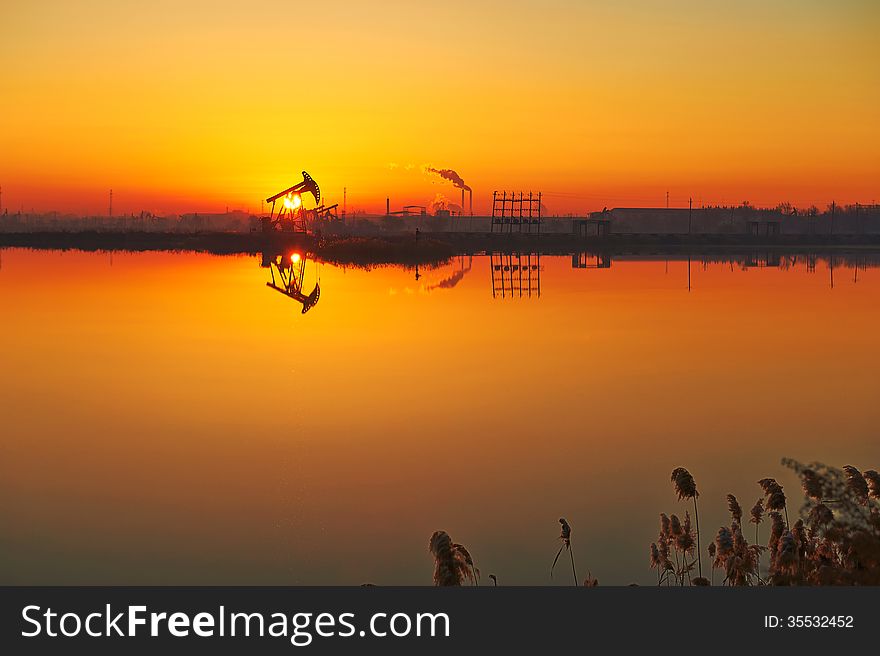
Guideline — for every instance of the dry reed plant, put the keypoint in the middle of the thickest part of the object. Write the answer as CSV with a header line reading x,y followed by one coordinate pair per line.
x,y
775,497
873,479
453,564
835,541
736,511
676,539
565,536
660,551
857,484
757,516
686,488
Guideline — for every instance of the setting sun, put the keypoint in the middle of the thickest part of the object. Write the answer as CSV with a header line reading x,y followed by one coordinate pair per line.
x,y
292,201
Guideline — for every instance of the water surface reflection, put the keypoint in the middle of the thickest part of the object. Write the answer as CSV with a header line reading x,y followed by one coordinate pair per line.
x,y
143,442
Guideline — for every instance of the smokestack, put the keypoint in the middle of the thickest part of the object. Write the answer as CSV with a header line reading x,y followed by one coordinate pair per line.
x,y
456,180
387,206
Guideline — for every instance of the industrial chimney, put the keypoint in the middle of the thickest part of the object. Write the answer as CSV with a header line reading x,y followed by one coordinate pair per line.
x,y
387,206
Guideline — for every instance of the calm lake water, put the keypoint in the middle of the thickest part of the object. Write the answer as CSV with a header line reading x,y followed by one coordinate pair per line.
x,y
169,419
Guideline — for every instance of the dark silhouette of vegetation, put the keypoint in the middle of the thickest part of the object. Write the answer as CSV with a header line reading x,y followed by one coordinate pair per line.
x,y
565,537
453,564
834,541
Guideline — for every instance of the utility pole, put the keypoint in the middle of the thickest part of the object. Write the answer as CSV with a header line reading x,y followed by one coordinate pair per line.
x,y
667,199
690,211
111,203
344,201
833,206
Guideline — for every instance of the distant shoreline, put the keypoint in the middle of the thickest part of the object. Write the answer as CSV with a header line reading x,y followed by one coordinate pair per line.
x,y
430,247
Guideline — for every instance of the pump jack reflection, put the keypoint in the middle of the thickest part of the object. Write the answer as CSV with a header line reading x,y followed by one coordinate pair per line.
x,y
288,277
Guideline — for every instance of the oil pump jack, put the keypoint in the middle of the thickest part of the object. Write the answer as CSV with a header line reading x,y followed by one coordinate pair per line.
x,y
288,268
291,269
292,216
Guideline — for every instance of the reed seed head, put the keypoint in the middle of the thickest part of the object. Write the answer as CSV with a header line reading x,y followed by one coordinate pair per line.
x,y
565,534
787,555
684,484
773,492
735,509
684,542
757,512
663,548
445,570
665,527
776,501
769,485
452,562
724,542
799,531
873,479
723,547
777,529
812,483
675,526
856,483
821,515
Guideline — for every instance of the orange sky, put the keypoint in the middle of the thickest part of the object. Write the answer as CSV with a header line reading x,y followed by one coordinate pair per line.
x,y
196,106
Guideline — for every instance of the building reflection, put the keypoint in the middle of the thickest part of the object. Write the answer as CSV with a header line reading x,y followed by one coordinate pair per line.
x,y
591,261
744,260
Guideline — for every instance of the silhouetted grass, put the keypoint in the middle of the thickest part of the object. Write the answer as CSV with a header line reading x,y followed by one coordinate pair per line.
x,y
835,540
453,564
836,544
565,536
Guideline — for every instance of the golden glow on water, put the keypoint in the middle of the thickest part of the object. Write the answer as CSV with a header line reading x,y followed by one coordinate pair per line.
x,y
169,419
